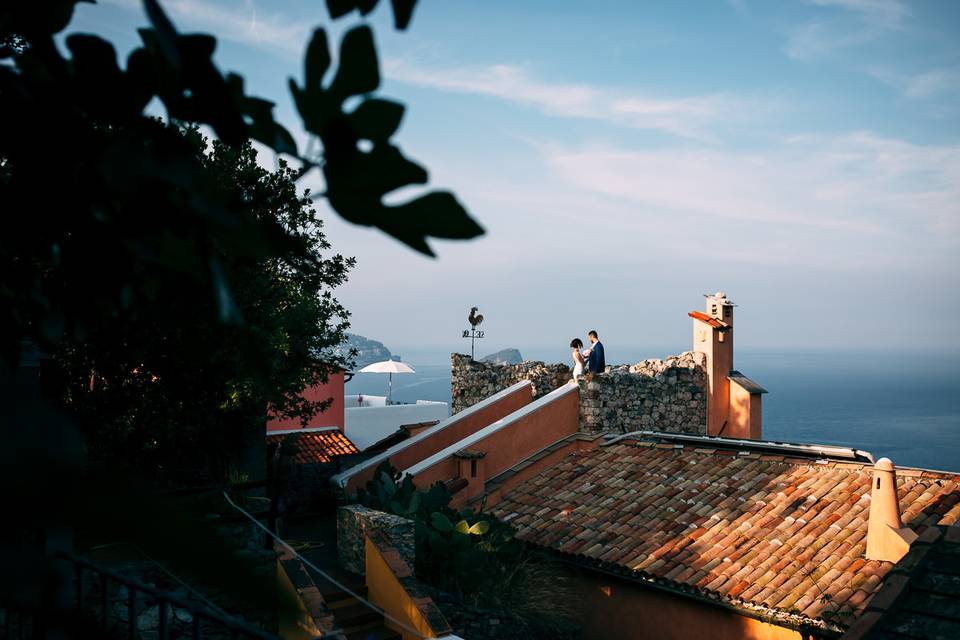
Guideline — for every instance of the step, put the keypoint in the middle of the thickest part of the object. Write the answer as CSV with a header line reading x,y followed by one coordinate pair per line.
x,y
377,633
357,616
336,598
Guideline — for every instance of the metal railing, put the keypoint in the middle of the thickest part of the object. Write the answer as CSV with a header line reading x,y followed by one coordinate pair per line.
x,y
165,601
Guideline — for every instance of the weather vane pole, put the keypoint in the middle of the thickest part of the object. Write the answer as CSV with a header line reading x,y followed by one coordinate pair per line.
x,y
473,333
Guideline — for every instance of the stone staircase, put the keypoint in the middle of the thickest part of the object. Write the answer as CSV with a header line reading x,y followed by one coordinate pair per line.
x,y
355,619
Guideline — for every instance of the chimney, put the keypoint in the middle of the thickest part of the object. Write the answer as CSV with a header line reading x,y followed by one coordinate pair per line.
x,y
887,538
713,335
470,466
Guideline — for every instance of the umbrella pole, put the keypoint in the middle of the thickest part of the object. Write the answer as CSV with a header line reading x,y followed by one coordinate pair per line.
x,y
390,390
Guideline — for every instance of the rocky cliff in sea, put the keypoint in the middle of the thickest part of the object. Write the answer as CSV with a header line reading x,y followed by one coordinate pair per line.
x,y
368,351
504,356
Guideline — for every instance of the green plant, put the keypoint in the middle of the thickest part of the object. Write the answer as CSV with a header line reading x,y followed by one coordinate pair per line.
x,y
472,555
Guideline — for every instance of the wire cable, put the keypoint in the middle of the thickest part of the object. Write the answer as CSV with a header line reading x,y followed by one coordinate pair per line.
x,y
324,574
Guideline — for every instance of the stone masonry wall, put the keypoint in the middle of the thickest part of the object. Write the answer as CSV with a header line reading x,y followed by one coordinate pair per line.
x,y
663,395
354,520
473,381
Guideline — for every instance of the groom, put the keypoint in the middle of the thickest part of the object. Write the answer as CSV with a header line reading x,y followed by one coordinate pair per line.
x,y
595,360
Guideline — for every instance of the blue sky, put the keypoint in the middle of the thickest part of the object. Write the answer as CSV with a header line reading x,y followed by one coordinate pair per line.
x,y
626,157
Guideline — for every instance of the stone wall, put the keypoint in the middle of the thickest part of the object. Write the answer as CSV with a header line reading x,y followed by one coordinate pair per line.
x,y
662,395
472,381
665,395
354,520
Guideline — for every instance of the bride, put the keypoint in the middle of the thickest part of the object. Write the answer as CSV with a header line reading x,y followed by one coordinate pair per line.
x,y
576,345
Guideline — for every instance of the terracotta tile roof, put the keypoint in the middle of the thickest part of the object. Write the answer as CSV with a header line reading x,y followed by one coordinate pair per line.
x,y
709,320
781,537
311,446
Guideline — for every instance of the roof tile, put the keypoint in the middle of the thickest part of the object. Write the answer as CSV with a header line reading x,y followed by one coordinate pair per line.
x,y
314,446
784,534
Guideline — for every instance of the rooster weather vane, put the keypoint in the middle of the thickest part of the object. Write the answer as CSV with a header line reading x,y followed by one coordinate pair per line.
x,y
475,319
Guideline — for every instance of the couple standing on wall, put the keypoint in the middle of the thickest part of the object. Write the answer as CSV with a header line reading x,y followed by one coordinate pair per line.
x,y
591,358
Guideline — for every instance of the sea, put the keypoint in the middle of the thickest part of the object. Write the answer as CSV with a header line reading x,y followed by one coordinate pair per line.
x,y
902,405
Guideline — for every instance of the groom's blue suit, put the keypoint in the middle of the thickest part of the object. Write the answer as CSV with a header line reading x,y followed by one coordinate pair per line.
x,y
596,363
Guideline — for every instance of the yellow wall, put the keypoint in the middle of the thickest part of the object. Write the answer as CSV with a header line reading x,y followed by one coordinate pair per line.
x,y
385,591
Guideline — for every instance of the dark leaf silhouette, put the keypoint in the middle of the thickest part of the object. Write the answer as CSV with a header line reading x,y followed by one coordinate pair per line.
x,y
359,71
438,214
377,119
316,62
340,8
402,9
358,179
402,12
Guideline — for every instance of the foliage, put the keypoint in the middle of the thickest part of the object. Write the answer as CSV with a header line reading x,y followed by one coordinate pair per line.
x,y
128,256
80,122
472,554
190,383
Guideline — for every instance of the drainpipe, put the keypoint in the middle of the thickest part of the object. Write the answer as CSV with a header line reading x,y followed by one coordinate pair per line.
x,y
887,538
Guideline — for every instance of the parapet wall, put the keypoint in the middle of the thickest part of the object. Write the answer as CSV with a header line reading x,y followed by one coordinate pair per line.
x,y
473,381
666,395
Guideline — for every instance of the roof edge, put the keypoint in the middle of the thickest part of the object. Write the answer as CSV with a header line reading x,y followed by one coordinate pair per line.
x,y
476,436
342,478
749,385
812,451
286,432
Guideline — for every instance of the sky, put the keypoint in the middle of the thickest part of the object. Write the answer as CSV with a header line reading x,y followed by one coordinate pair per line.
x,y
625,158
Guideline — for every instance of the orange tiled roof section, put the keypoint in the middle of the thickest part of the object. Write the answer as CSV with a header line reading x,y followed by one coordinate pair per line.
x,y
312,446
777,537
710,320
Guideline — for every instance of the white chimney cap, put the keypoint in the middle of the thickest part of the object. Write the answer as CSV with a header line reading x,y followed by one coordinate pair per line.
x,y
884,464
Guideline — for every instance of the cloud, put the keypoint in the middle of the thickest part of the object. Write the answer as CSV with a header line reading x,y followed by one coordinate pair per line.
x,y
923,85
871,19
689,117
247,25
888,14
856,185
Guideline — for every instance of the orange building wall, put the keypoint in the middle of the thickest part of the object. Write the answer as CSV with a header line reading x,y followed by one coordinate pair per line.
x,y
719,363
331,417
461,426
618,610
513,443
745,414
537,466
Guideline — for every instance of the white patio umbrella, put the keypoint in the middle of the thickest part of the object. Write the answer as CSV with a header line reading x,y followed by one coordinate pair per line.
x,y
388,366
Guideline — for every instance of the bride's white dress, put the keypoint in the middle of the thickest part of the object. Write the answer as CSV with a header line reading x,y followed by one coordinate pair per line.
x,y
577,368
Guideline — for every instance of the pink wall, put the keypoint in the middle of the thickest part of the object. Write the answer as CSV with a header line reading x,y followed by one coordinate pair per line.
x,y
444,434
332,417
554,417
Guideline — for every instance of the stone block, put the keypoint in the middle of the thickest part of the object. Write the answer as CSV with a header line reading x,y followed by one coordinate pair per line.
x,y
352,523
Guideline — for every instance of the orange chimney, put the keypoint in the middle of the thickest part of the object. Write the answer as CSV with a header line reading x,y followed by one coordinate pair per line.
x,y
887,538
713,335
